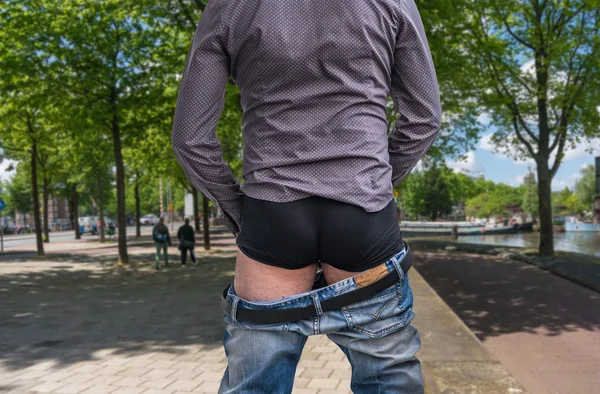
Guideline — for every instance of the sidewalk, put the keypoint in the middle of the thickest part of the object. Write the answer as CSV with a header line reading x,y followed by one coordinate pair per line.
x,y
579,268
77,323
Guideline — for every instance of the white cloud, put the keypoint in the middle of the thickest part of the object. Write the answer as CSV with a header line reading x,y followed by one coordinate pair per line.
x,y
484,118
4,173
583,149
579,151
469,163
528,67
517,181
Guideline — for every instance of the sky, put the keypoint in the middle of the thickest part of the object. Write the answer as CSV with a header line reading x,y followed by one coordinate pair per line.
x,y
498,167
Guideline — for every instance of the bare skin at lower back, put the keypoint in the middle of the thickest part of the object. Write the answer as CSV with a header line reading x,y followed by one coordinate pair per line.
x,y
255,281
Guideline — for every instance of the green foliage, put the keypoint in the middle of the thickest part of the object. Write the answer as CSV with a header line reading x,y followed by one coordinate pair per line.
x,y
428,194
585,187
530,196
493,202
17,193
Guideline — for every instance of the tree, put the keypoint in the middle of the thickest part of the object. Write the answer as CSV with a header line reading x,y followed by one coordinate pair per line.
x,y
428,194
585,187
27,84
530,195
493,202
112,52
534,69
17,193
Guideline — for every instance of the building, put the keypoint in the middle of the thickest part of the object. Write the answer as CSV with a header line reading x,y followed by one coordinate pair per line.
x,y
59,212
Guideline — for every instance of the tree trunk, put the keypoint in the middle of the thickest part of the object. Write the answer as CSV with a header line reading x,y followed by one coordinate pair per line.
x,y
45,197
75,211
546,246
196,210
101,209
206,224
36,201
122,225
138,216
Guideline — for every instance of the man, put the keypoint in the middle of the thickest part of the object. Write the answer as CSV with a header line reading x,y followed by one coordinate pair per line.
x,y
187,241
161,237
319,171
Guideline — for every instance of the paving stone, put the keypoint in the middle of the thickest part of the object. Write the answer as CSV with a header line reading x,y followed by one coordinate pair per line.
x,y
323,383
337,365
157,383
100,389
47,387
183,375
85,368
324,349
136,372
183,385
336,356
162,364
305,391
158,391
58,376
31,375
312,364
159,373
341,374
110,370
301,382
210,377
208,387
104,380
129,381
80,378
129,390
316,373
344,384
73,388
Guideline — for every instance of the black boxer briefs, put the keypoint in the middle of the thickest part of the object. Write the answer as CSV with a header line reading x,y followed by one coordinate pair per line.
x,y
314,230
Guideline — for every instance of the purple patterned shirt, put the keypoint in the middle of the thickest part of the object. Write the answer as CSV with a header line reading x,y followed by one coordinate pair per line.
x,y
314,77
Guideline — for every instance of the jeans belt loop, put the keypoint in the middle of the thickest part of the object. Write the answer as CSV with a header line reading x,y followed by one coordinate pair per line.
x,y
397,262
234,306
317,304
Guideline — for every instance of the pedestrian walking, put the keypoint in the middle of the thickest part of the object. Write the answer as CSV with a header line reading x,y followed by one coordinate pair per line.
x,y
162,240
319,170
187,241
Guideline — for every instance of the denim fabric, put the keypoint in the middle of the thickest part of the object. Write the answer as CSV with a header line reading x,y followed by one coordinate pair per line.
x,y
375,335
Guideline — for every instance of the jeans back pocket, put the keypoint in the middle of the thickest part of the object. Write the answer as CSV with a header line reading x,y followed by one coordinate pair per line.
x,y
380,315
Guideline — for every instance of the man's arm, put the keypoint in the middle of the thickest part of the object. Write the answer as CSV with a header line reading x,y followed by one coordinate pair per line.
x,y
199,107
415,94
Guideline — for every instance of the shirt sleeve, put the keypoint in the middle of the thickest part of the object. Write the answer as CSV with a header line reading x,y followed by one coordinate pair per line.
x,y
199,107
415,92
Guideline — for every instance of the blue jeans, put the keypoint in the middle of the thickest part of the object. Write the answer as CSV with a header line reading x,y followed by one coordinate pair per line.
x,y
375,334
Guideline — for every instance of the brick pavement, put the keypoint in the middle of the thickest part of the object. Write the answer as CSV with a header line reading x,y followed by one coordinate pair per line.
x,y
79,323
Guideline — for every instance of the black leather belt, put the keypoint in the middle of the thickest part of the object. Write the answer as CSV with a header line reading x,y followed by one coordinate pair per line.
x,y
277,316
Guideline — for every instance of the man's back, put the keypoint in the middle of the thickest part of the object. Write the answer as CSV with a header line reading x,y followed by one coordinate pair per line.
x,y
314,77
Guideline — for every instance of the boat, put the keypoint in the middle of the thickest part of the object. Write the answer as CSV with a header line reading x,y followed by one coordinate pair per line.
x,y
574,224
462,228
492,226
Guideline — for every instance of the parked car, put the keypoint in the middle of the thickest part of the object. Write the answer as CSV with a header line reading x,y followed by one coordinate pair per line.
x,y
88,224
149,220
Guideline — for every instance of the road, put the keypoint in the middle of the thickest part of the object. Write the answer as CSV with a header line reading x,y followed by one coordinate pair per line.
x,y
544,329
23,240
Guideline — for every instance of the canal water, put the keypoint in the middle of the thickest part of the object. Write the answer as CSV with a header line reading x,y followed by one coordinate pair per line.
x,y
584,243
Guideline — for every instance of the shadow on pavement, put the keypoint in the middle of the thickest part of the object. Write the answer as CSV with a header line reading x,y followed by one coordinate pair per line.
x,y
67,316
494,296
